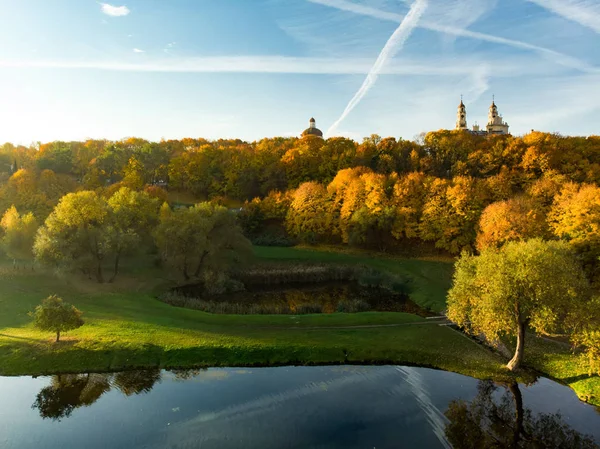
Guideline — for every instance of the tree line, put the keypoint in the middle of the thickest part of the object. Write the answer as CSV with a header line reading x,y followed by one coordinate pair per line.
x,y
447,189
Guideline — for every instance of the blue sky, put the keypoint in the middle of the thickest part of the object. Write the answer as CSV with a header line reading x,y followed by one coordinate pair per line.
x,y
76,69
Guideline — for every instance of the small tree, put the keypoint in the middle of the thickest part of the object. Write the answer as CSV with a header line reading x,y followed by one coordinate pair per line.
x,y
57,316
18,235
535,283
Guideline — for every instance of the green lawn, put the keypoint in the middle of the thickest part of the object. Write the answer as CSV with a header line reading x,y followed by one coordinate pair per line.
x,y
126,327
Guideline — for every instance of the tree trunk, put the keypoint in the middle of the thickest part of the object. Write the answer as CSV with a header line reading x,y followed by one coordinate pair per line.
x,y
518,429
204,254
185,272
515,362
57,336
117,257
99,276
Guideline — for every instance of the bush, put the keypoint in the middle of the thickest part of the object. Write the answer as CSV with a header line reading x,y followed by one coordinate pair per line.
x,y
306,309
353,306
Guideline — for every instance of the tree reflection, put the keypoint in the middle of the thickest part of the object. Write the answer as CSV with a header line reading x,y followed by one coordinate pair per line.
x,y
486,423
68,392
136,382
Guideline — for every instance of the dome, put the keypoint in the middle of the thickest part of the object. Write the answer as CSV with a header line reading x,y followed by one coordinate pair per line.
x,y
312,130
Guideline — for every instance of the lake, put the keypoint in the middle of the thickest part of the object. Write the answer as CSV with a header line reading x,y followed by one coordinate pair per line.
x,y
287,407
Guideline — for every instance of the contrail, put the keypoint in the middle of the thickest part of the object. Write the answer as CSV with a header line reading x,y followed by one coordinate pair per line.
x,y
391,48
584,12
559,58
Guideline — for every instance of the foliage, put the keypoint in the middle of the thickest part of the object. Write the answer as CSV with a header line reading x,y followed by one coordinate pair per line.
x,y
57,316
575,217
201,240
134,216
534,283
382,193
85,229
307,217
75,235
518,218
18,234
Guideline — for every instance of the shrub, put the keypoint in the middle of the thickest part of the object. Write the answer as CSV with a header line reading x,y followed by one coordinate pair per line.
x,y
306,309
353,306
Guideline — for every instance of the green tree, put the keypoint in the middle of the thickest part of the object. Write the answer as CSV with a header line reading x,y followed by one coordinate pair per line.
x,y
201,240
18,235
133,217
55,315
75,234
533,284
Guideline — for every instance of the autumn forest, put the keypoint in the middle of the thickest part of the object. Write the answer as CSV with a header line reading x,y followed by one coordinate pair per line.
x,y
448,191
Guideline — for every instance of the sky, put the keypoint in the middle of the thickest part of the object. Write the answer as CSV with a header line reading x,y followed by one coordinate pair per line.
x,y
168,69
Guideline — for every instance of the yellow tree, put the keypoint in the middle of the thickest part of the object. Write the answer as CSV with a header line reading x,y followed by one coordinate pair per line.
x,y
515,219
452,211
408,200
18,235
307,218
575,215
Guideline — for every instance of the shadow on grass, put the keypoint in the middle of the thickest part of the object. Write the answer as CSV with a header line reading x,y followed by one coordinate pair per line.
x,y
569,380
20,338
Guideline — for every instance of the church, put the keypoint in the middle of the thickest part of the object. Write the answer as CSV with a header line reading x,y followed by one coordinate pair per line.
x,y
495,125
312,129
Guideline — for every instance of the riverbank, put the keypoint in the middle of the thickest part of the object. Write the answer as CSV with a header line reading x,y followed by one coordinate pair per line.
x,y
126,327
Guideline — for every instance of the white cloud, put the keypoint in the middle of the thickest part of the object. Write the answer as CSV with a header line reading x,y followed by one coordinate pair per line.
x,y
391,48
115,11
584,12
443,66
137,50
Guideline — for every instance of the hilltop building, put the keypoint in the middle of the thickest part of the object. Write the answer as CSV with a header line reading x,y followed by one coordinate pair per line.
x,y
495,125
312,129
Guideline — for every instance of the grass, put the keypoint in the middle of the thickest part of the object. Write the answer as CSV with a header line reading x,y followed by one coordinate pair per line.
x,y
429,279
127,327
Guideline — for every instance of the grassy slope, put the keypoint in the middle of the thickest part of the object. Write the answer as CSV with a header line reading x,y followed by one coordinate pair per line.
x,y
134,330
126,327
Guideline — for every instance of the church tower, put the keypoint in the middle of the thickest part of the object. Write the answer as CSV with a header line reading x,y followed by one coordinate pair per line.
x,y
495,123
461,116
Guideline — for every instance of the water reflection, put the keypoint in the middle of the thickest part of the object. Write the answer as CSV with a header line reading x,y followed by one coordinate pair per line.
x,y
291,407
68,392
491,422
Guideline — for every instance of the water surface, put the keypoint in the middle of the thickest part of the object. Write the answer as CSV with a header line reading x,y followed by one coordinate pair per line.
x,y
288,407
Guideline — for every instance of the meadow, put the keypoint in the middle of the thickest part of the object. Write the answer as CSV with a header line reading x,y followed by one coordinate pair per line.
x,y
126,327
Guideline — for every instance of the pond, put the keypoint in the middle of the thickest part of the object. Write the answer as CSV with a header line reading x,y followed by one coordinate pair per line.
x,y
289,407
324,297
